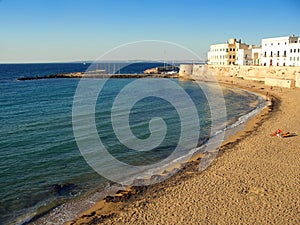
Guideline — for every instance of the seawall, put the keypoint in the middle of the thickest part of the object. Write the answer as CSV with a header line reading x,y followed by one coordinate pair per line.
x,y
273,76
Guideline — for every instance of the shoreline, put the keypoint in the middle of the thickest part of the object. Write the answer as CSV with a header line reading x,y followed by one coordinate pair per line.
x,y
112,206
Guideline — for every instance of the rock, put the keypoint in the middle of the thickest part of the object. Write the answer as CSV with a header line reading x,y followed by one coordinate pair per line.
x,y
62,189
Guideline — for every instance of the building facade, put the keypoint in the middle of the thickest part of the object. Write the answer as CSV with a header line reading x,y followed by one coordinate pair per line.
x,y
218,54
244,57
294,53
256,56
278,51
233,52
281,51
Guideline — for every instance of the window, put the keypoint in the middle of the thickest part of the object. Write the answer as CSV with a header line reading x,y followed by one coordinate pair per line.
x,y
294,50
271,53
229,56
291,58
285,43
271,44
277,53
298,58
233,56
265,55
291,50
284,53
226,49
233,49
230,49
298,50
278,43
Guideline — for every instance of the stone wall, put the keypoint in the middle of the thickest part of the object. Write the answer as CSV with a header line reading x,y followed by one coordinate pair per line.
x,y
285,76
185,69
280,82
256,72
297,78
260,73
279,75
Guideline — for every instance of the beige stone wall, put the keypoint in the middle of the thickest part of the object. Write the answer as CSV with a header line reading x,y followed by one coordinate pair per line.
x,y
256,72
279,82
297,78
185,69
259,73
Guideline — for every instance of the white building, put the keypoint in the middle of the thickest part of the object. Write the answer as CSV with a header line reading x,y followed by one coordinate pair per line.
x,y
278,51
234,52
244,56
218,54
294,53
281,51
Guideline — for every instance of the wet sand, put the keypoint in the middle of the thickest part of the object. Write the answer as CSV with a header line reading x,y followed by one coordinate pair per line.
x,y
254,180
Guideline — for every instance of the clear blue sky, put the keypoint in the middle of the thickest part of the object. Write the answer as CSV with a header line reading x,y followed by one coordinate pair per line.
x,y
68,30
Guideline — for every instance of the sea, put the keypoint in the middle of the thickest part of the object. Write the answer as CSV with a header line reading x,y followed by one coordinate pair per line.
x,y
41,165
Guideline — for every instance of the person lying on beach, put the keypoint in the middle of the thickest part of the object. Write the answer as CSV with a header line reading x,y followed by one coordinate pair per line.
x,y
280,134
288,134
277,133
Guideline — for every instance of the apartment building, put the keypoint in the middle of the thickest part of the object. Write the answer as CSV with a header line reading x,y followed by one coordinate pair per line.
x,y
281,51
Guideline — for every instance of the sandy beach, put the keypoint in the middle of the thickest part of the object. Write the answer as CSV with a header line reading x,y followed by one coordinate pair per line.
x,y
254,180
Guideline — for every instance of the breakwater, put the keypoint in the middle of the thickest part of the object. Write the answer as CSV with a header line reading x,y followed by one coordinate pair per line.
x,y
98,75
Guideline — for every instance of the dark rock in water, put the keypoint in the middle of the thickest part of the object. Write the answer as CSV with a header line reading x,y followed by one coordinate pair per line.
x,y
62,189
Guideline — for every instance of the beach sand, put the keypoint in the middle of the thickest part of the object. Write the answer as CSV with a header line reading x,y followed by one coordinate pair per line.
x,y
254,180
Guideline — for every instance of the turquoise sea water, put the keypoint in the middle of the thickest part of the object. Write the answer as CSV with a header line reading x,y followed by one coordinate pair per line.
x,y
38,151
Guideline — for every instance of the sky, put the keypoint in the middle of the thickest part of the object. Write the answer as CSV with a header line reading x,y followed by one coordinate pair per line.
x,y
78,30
